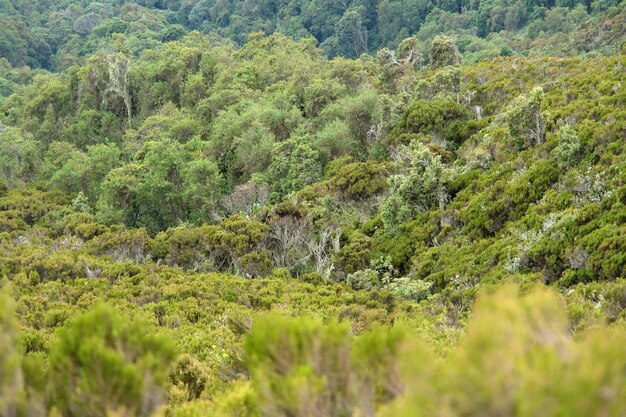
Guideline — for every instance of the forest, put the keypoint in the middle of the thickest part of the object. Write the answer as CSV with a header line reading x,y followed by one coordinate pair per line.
x,y
308,208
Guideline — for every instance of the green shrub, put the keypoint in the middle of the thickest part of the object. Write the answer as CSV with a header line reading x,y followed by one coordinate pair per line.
x,y
104,363
190,374
11,378
360,179
443,52
513,360
444,118
301,367
419,186
566,152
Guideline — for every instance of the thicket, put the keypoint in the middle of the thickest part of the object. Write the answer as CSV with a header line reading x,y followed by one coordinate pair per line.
x,y
207,229
270,156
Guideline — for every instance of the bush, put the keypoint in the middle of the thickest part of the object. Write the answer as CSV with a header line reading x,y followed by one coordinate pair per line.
x,y
360,179
443,118
410,289
443,52
419,186
189,374
11,379
122,244
566,151
355,252
366,279
301,367
103,363
513,360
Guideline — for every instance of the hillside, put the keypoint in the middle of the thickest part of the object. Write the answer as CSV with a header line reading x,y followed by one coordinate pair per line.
x,y
269,227
55,36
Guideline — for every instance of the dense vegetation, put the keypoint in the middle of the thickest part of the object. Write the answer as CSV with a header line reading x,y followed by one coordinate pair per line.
x,y
191,226
57,35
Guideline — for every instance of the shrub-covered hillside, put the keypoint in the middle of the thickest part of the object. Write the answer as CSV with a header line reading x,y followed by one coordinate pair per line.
x,y
261,230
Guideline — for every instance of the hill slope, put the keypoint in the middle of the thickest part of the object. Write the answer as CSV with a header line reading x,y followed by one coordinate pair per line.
x,y
207,229
56,36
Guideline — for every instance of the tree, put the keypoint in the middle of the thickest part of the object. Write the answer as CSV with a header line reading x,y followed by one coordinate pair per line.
x,y
443,52
287,239
351,37
118,64
568,147
360,180
168,183
363,112
418,187
73,171
441,119
247,200
201,184
172,33
85,24
524,119
295,164
326,239
20,156
81,203
444,85
240,245
118,201
399,66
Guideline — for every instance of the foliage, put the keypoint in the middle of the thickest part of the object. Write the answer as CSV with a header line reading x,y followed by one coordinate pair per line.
x,y
11,377
444,120
443,52
568,147
191,226
57,36
419,186
516,353
524,120
104,364
303,367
